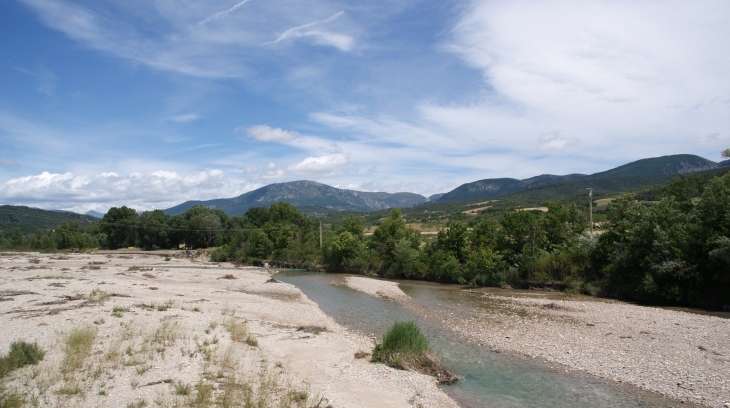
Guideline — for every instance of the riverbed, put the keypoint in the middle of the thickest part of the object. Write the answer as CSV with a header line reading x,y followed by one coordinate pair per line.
x,y
509,350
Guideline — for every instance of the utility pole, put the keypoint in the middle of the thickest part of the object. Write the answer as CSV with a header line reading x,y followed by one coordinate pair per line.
x,y
320,233
590,206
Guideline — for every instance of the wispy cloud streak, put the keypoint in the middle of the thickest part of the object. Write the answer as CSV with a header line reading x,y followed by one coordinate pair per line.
x,y
342,42
222,14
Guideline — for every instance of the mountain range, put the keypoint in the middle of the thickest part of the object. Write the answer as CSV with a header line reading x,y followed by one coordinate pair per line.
x,y
637,174
308,194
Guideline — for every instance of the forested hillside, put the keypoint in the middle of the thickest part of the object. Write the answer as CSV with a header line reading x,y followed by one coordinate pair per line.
x,y
28,220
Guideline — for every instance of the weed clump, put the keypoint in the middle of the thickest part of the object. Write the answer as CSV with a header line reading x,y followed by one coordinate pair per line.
x,y
78,347
404,347
21,354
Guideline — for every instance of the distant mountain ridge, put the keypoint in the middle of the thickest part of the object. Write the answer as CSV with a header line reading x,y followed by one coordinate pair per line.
x,y
665,165
307,193
94,214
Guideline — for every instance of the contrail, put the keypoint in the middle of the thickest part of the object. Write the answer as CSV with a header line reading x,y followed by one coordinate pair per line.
x,y
288,33
225,13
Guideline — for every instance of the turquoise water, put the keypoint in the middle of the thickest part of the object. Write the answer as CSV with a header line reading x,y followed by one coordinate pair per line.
x,y
490,379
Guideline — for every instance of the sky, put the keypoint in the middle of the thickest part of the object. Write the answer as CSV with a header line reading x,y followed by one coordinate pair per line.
x,y
150,103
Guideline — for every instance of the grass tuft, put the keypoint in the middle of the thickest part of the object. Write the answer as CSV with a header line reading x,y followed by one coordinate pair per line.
x,y
182,389
252,341
118,311
405,347
238,329
78,346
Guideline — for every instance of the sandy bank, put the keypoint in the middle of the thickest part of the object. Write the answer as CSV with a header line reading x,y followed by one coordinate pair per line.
x,y
375,287
171,333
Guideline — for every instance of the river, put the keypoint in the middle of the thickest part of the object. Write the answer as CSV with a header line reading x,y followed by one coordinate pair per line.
x,y
490,378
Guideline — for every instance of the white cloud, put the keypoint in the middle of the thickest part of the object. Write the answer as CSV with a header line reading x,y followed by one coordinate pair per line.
x,y
603,69
265,133
159,189
322,166
8,162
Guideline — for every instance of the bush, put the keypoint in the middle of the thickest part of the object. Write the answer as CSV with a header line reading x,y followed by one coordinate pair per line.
x,y
220,254
404,347
21,354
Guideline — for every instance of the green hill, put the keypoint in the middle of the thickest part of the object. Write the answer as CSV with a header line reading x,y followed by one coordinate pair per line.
x,y
638,174
317,196
30,219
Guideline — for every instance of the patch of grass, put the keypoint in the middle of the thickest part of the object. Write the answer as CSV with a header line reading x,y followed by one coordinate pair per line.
x,y
166,335
56,277
94,267
11,398
97,295
99,322
401,338
196,309
69,389
168,257
203,395
182,389
118,311
163,307
237,329
298,396
78,346
252,341
21,354
143,369
405,347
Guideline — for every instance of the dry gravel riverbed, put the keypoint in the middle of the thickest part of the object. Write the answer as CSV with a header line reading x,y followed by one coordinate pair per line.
x,y
184,332
678,354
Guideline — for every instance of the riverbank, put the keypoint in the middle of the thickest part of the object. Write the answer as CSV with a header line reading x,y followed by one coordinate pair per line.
x,y
179,332
678,354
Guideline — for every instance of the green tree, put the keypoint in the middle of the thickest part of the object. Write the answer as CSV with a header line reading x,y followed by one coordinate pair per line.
x,y
392,230
484,234
454,239
120,226
349,250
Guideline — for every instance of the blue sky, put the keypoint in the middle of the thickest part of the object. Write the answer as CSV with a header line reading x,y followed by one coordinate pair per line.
x,y
150,103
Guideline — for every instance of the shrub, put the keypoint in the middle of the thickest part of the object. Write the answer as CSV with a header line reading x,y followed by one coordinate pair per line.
x,y
21,354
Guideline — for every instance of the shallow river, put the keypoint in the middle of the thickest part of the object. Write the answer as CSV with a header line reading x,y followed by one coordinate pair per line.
x,y
491,379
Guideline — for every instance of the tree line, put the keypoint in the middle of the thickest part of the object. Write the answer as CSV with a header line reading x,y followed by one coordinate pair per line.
x,y
672,251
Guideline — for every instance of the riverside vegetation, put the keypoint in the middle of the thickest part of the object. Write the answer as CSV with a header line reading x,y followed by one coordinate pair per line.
x,y
673,251
406,348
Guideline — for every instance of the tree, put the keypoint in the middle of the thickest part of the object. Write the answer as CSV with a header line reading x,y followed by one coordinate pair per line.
x,y
120,227
454,240
725,153
391,231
